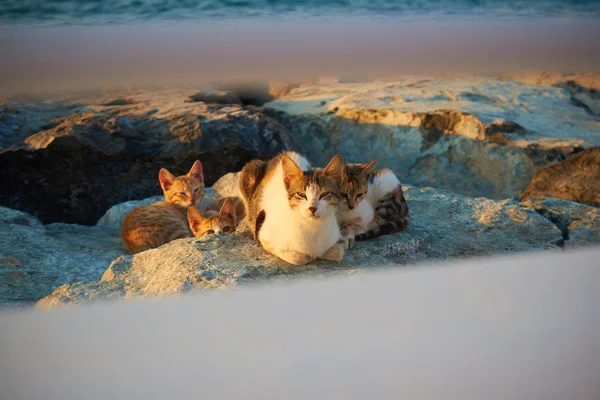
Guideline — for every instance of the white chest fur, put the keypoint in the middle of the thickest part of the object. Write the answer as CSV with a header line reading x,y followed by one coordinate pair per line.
x,y
364,210
285,229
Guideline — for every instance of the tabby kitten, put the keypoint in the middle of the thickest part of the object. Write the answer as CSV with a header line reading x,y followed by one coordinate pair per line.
x,y
148,227
391,211
291,208
223,222
367,193
213,209
354,214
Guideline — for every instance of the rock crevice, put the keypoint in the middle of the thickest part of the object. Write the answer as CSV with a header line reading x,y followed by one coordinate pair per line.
x,y
86,162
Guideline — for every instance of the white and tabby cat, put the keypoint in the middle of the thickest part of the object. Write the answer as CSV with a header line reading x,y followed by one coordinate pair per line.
x,y
291,208
354,215
374,205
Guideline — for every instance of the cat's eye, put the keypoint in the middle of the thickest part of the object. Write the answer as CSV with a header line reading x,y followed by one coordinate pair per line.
x,y
344,195
323,195
184,194
197,190
209,232
227,229
360,195
301,195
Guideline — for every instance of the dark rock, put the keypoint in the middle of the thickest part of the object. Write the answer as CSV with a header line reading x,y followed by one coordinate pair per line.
x,y
215,96
120,102
503,131
255,94
6,130
87,162
588,98
576,179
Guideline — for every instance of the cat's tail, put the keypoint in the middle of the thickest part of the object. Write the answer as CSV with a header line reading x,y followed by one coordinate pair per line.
x,y
391,213
384,229
250,178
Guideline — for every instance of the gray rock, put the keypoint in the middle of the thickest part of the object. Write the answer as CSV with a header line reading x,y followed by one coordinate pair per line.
x,y
34,259
479,137
98,156
14,217
6,130
584,88
443,225
121,101
210,95
579,224
227,185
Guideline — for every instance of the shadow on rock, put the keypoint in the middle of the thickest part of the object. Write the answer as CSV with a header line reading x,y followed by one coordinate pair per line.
x,y
85,163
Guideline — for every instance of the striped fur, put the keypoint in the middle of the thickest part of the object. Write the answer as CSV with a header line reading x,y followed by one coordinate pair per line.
x,y
355,213
223,221
215,207
250,189
391,211
148,227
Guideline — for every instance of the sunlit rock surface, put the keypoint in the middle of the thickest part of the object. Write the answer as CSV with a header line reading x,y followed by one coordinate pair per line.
x,y
35,259
90,158
475,136
443,226
576,179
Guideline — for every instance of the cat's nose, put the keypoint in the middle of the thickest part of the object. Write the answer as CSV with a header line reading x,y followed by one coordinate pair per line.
x,y
313,209
351,206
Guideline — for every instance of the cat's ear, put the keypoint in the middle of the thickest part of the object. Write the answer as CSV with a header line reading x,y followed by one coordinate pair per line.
x,y
195,219
367,168
228,210
291,170
335,168
166,179
196,171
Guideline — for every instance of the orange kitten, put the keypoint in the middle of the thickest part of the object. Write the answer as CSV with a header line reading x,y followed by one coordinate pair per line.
x,y
148,227
213,208
224,222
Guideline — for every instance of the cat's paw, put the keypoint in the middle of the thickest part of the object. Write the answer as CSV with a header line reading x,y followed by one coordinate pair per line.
x,y
348,242
296,258
351,227
335,253
346,230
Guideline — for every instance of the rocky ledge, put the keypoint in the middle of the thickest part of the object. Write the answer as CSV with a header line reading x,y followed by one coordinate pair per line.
x,y
69,159
528,147
475,136
443,225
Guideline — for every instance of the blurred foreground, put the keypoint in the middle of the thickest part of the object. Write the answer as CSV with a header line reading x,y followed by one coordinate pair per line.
x,y
519,327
